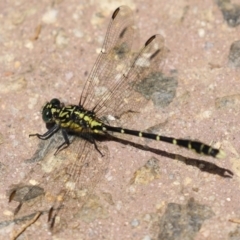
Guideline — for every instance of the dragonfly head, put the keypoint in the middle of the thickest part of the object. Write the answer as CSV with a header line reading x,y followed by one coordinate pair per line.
x,y
50,110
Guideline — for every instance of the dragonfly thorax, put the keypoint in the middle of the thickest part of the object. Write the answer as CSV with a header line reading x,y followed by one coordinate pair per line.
x,y
72,117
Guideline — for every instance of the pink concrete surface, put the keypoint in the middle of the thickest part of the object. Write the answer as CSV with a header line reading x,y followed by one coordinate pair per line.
x,y
46,50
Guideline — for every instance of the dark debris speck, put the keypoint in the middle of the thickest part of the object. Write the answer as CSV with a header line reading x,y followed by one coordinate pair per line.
x,y
230,12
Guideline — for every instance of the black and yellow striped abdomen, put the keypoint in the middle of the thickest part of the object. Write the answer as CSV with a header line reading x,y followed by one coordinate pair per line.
x,y
195,146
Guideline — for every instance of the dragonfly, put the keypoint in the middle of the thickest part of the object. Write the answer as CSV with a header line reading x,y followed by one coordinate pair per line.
x,y
110,90
118,74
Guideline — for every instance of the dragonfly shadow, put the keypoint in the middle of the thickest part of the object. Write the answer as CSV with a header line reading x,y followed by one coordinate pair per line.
x,y
202,165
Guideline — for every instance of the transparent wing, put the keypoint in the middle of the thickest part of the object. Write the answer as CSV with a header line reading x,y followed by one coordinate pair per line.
x,y
123,95
114,57
111,88
89,167
63,182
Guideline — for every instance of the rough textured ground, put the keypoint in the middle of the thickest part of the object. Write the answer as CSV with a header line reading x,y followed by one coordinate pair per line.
x,y
47,49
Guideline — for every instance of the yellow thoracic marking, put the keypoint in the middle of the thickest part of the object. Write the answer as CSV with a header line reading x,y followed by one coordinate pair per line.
x,y
157,137
87,119
72,125
67,111
189,145
54,110
80,114
63,114
94,123
140,134
174,141
122,130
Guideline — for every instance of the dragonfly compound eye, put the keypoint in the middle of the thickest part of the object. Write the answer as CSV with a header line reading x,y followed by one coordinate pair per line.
x,y
55,102
47,115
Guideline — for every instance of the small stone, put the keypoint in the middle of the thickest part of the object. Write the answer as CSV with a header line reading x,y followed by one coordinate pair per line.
x,y
50,16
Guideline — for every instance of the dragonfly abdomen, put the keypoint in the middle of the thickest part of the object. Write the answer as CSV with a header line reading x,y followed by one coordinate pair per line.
x,y
195,146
